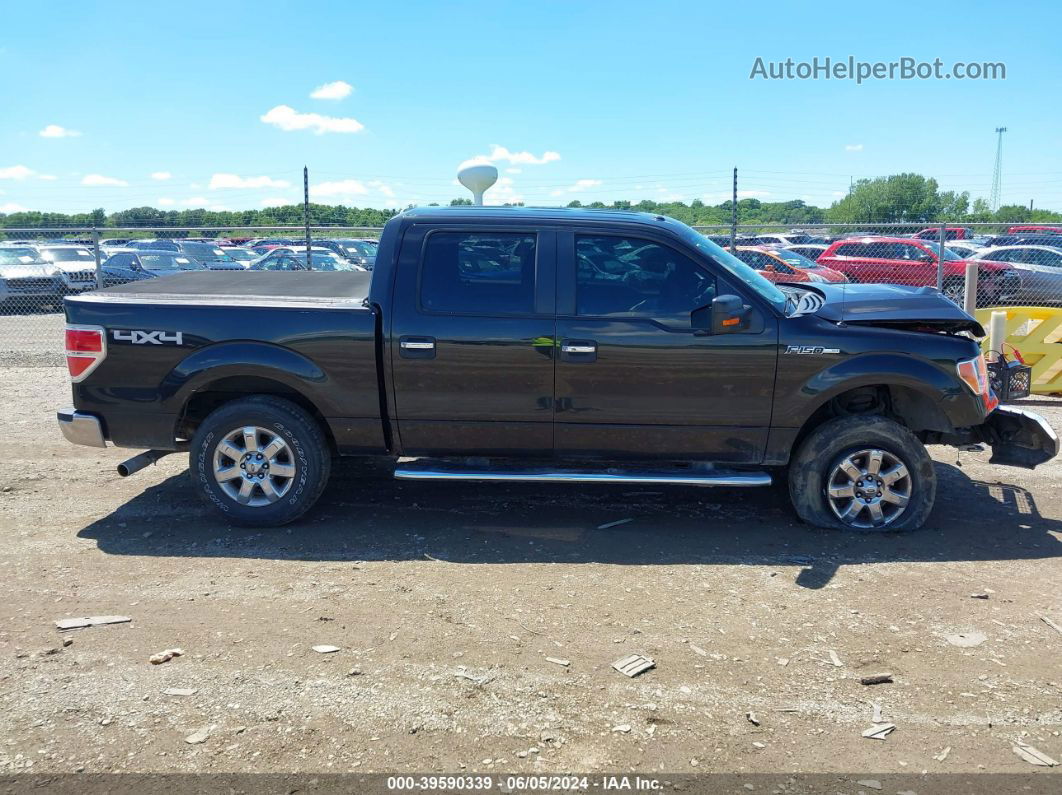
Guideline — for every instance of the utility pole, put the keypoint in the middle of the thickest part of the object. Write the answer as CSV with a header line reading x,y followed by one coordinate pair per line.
x,y
306,212
733,215
997,173
1030,205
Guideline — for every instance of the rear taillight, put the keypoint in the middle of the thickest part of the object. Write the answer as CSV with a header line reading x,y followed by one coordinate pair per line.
x,y
86,347
974,373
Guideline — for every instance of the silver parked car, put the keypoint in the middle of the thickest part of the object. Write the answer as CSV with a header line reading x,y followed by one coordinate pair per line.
x,y
27,281
1040,268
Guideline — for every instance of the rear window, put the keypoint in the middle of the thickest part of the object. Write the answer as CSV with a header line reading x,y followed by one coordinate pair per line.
x,y
478,273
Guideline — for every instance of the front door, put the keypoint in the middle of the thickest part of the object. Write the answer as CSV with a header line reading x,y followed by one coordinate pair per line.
x,y
635,379
471,343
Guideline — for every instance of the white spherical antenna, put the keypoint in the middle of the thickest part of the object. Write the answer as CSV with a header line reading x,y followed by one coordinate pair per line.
x,y
478,179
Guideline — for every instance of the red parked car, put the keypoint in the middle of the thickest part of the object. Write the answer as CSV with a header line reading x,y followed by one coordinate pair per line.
x,y
1013,230
903,260
950,233
779,265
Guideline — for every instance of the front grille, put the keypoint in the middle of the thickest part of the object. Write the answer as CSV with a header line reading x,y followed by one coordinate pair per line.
x,y
29,285
82,276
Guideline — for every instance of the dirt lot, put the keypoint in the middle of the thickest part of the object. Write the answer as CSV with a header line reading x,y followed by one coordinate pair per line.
x,y
447,600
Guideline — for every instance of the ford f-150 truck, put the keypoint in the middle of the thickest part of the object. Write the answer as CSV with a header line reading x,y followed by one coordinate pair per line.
x,y
513,344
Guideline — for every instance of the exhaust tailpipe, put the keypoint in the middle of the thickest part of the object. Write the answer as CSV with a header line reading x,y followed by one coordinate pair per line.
x,y
138,462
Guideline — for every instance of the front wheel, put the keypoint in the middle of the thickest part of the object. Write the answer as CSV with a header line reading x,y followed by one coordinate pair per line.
x,y
261,461
864,473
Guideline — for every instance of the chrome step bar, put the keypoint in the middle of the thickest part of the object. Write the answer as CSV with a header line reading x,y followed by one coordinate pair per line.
x,y
705,477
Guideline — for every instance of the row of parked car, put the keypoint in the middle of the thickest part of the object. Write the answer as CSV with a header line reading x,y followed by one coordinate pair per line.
x,y
36,275
1022,266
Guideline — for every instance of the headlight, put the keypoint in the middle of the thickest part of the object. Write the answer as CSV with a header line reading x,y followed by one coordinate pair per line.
x,y
974,373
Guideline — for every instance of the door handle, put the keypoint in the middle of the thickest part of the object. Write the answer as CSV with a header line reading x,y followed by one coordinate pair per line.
x,y
578,351
416,347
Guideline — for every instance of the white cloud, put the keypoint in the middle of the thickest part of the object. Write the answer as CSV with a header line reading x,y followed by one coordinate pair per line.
x,y
48,177
235,181
580,186
500,153
853,147
98,180
55,131
165,202
288,119
196,201
382,187
343,187
161,175
276,201
16,172
11,207
336,90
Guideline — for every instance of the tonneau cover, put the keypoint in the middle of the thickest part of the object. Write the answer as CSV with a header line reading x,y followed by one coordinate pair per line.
x,y
257,288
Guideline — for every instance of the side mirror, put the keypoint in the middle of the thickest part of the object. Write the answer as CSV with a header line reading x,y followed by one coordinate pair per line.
x,y
729,314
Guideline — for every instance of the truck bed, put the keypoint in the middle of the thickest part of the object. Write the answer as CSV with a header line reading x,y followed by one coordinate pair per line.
x,y
297,289
179,339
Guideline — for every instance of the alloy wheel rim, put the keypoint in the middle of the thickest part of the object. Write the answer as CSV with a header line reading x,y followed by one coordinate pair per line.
x,y
254,466
869,489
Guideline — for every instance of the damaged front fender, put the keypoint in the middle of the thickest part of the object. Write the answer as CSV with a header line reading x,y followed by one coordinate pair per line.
x,y
1018,437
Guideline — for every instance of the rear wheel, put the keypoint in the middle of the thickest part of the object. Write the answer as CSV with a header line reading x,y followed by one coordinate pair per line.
x,y
261,461
863,473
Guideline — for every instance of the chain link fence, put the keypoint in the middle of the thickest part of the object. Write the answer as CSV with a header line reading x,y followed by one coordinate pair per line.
x,y
978,266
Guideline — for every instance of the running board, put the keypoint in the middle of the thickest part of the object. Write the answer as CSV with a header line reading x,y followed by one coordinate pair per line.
x,y
703,477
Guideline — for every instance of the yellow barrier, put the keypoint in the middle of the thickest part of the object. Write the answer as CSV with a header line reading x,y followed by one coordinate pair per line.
x,y
1036,331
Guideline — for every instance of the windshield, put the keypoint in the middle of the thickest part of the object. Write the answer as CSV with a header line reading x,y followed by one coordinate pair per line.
x,y
20,256
358,247
797,260
241,254
169,262
69,255
738,269
329,262
205,251
949,256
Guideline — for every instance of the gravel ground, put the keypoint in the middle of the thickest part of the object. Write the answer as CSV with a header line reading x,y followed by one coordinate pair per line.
x,y
446,602
31,339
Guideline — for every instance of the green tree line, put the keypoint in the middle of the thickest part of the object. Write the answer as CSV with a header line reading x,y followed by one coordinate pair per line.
x,y
903,198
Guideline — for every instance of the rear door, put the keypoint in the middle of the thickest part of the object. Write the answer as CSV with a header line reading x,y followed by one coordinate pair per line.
x,y
472,340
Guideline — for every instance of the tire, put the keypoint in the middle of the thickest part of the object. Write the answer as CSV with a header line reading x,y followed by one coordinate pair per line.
x,y
243,490
829,453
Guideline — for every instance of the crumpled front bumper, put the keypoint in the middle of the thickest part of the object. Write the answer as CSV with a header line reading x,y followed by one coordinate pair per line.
x,y
1018,437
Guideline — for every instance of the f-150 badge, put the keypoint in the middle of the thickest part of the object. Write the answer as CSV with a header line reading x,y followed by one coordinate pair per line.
x,y
138,337
812,349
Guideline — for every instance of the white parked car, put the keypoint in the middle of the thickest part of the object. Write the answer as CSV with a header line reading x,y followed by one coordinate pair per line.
x,y
964,248
1040,268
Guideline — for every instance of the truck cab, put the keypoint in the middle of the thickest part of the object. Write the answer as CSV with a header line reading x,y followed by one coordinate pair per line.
x,y
542,345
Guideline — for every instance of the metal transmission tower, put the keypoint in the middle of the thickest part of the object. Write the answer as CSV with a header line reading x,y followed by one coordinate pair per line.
x,y
997,173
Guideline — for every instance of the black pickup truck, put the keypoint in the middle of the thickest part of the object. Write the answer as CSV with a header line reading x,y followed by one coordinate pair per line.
x,y
516,344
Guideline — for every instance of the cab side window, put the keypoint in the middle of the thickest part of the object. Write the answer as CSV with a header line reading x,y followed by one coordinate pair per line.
x,y
628,277
478,273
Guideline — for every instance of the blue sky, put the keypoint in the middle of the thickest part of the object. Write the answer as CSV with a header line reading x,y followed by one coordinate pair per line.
x,y
591,100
